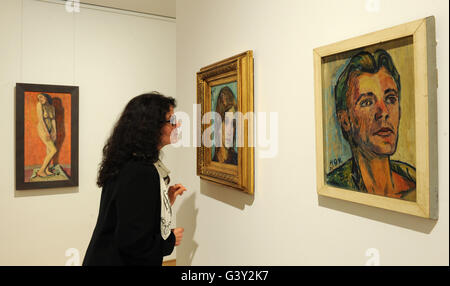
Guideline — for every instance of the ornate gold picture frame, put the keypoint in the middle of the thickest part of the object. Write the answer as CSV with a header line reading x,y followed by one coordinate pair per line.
x,y
376,119
225,93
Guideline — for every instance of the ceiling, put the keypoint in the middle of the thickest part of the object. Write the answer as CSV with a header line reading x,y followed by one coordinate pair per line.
x,y
157,7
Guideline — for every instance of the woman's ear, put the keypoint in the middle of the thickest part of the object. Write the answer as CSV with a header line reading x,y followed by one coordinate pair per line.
x,y
344,120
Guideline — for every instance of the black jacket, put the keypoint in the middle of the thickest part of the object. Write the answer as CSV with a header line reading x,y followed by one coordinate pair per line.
x,y
128,226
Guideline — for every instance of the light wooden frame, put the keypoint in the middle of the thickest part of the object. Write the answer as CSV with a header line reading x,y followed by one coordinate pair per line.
x,y
425,76
237,68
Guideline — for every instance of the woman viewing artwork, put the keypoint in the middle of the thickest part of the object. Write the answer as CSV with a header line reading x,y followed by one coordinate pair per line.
x,y
134,225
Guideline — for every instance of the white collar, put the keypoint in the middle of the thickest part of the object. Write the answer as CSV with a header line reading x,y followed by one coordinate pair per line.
x,y
162,169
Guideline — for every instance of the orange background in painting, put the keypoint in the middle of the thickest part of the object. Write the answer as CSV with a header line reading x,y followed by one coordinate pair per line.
x,y
34,149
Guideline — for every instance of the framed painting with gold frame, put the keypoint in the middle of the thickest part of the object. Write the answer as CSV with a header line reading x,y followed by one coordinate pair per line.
x,y
225,93
376,123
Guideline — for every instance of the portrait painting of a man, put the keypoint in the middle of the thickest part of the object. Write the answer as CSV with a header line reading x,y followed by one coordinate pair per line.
x,y
367,102
376,119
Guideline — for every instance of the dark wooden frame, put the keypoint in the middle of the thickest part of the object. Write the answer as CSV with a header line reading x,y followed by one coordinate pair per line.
x,y
21,88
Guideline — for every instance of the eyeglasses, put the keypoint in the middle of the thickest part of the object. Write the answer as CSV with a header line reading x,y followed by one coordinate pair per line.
x,y
172,120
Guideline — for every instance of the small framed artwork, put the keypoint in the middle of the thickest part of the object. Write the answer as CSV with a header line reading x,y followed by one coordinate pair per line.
x,y
46,136
225,93
376,123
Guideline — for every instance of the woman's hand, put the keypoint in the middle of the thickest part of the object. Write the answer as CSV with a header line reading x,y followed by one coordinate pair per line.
x,y
174,191
178,232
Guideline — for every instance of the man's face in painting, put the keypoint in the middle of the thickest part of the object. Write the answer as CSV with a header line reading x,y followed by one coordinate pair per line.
x,y
373,112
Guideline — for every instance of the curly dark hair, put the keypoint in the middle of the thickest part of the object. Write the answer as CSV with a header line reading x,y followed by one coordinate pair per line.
x,y
136,134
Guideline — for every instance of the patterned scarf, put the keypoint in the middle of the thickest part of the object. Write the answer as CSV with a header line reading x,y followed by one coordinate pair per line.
x,y
166,208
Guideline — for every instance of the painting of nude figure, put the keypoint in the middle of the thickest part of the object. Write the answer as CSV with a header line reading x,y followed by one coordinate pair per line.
x,y
46,148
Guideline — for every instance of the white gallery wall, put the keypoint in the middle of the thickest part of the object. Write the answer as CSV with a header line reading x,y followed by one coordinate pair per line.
x,y
112,56
285,222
